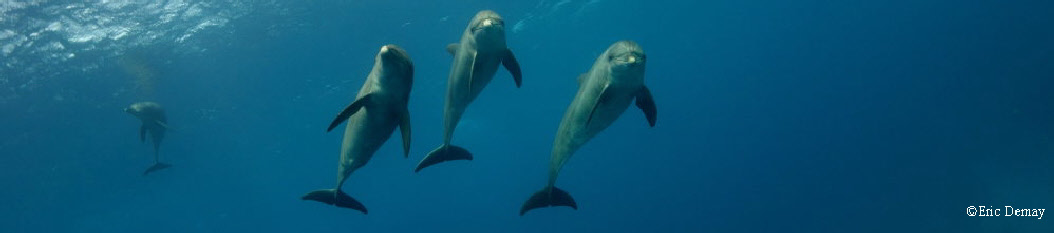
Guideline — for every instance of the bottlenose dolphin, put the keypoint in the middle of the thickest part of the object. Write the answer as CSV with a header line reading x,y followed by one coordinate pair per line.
x,y
616,79
380,106
476,59
154,122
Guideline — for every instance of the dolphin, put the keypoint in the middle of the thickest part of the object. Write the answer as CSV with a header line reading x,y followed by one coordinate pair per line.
x,y
154,122
476,59
616,79
380,106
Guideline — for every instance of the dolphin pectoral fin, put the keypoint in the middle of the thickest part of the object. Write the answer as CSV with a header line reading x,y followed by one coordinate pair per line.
x,y
442,154
351,109
335,197
165,126
162,124
142,133
647,104
156,167
451,48
550,196
472,71
404,128
509,61
600,100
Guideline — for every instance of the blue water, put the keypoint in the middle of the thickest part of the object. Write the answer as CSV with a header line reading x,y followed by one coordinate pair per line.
x,y
774,116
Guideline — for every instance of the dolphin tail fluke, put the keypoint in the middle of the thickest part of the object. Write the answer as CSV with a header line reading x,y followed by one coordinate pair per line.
x,y
442,154
335,197
547,197
156,167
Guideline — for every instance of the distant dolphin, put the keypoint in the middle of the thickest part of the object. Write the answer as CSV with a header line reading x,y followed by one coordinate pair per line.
x,y
476,59
616,79
380,106
154,122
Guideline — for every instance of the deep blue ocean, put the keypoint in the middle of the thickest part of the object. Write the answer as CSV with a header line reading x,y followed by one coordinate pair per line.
x,y
773,116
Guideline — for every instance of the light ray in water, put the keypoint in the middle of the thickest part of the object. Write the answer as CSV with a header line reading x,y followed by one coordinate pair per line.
x,y
143,75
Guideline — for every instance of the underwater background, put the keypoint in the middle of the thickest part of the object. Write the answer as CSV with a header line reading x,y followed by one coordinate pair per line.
x,y
773,116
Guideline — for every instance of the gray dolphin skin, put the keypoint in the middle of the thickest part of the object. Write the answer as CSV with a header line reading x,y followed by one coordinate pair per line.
x,y
379,107
154,123
476,59
616,79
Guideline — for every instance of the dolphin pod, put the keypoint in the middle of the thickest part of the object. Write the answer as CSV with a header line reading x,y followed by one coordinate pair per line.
x,y
606,90
615,80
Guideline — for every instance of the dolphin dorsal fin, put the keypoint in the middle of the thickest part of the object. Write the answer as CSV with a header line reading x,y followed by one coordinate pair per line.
x,y
351,109
451,48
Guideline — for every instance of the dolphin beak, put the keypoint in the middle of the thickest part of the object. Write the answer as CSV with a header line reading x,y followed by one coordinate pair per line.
x,y
384,49
632,59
